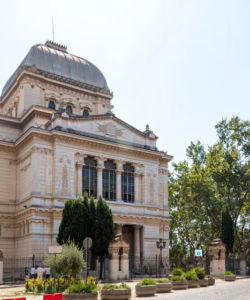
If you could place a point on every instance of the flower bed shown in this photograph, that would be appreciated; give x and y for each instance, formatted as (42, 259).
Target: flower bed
(146, 288)
(211, 280)
(115, 292)
(178, 280)
(163, 286)
(229, 276)
(203, 282)
(48, 286)
(192, 279)
(200, 272)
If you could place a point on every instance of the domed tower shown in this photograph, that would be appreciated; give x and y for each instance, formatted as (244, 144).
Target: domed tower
(50, 76)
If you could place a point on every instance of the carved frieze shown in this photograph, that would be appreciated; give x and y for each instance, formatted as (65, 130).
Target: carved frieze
(110, 129)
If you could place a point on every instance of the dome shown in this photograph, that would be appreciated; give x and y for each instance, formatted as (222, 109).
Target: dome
(52, 60)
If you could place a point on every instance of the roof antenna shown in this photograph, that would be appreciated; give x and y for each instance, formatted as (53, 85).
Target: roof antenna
(53, 29)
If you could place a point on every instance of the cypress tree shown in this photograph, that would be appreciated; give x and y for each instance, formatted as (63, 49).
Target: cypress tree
(84, 218)
(104, 231)
(73, 227)
(227, 231)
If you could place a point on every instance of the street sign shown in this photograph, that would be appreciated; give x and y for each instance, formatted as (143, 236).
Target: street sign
(87, 243)
(198, 252)
(55, 249)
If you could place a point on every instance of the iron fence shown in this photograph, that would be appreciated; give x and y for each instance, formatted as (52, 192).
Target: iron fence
(153, 266)
(14, 268)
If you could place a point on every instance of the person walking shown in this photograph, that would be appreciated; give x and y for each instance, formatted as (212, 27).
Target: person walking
(39, 272)
(47, 272)
(32, 272)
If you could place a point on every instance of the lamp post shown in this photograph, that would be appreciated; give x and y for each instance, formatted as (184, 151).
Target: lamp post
(161, 245)
(33, 260)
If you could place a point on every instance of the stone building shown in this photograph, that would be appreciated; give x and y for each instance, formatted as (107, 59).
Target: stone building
(59, 138)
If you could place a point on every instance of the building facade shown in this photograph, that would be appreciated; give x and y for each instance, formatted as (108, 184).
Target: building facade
(58, 139)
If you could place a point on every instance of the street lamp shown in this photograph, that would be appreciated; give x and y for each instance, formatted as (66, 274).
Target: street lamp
(161, 245)
(33, 260)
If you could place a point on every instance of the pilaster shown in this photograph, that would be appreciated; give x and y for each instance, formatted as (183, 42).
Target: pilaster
(119, 170)
(100, 167)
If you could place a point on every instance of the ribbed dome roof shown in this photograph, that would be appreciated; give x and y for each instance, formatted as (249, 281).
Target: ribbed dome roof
(52, 60)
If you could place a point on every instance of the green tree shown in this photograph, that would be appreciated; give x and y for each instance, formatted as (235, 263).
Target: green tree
(83, 218)
(70, 262)
(206, 184)
(227, 231)
(73, 226)
(104, 231)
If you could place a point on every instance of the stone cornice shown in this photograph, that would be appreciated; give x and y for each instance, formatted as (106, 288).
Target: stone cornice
(33, 111)
(69, 137)
(108, 116)
(58, 81)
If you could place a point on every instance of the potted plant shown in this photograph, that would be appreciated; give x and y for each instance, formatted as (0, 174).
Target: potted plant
(192, 279)
(115, 291)
(178, 280)
(229, 276)
(147, 287)
(200, 272)
(163, 286)
(82, 290)
(211, 280)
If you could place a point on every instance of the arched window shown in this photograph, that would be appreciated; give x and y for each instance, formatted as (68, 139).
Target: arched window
(89, 178)
(128, 183)
(69, 110)
(85, 112)
(109, 180)
(52, 104)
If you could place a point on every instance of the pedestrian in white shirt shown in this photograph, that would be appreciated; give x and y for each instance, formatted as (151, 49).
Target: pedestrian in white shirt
(33, 272)
(39, 272)
(47, 272)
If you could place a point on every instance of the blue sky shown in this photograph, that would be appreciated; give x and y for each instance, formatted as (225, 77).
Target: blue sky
(180, 66)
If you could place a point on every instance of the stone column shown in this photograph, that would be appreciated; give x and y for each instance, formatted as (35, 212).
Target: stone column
(1, 267)
(137, 187)
(125, 265)
(143, 186)
(79, 179)
(100, 167)
(142, 242)
(113, 265)
(137, 246)
(119, 181)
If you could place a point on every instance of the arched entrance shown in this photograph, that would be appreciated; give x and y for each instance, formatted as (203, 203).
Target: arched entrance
(133, 235)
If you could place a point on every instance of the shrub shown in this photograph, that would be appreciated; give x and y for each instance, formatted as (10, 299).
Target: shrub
(177, 278)
(163, 280)
(200, 272)
(82, 287)
(177, 272)
(109, 286)
(191, 275)
(69, 262)
(147, 281)
(228, 273)
(209, 277)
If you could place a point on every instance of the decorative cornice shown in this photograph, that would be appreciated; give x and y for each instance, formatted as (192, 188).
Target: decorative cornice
(57, 80)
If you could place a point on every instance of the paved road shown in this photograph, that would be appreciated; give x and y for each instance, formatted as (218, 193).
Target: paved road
(237, 290)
